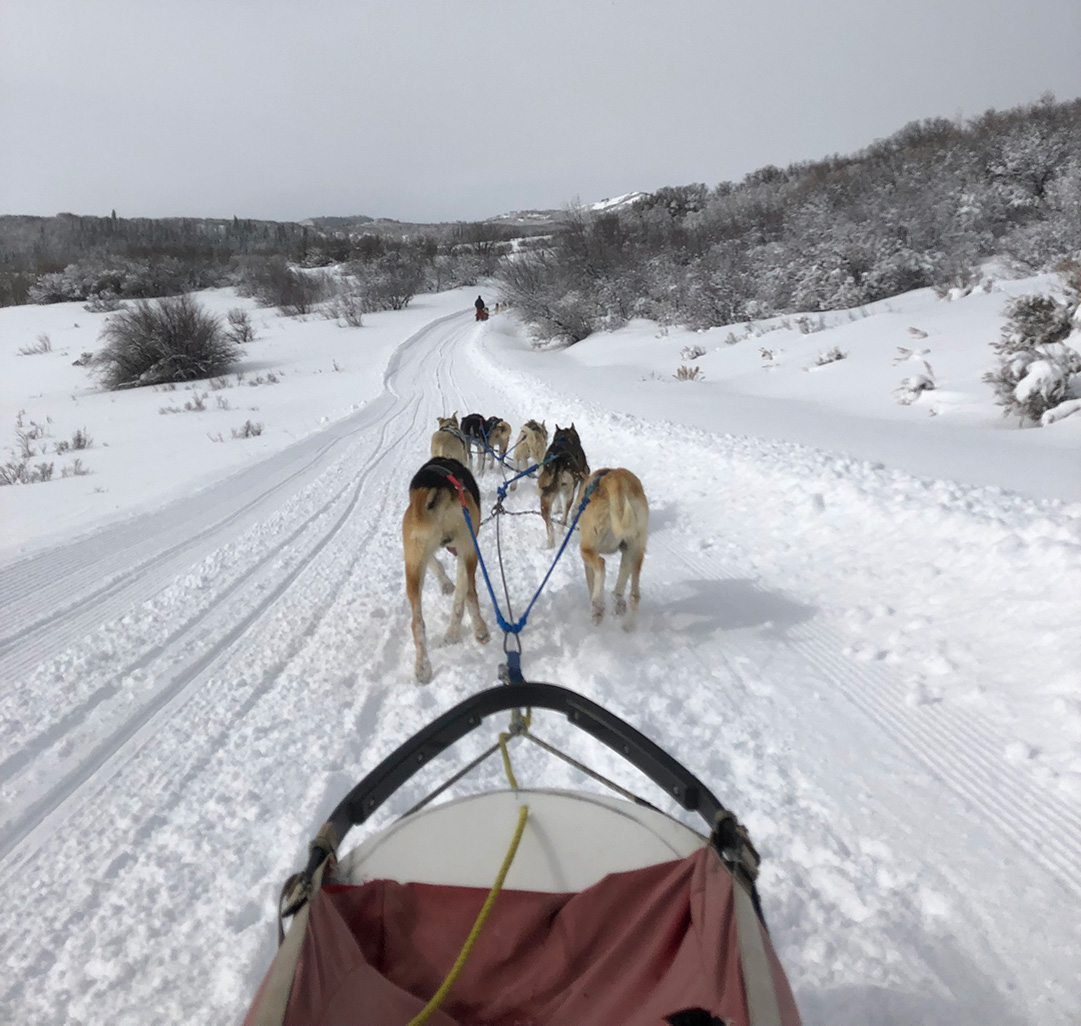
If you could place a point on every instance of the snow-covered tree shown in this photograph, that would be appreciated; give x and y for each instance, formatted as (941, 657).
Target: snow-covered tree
(1037, 371)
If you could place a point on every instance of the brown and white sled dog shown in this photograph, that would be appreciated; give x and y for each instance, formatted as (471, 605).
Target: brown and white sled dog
(448, 441)
(434, 520)
(528, 450)
(616, 519)
(563, 471)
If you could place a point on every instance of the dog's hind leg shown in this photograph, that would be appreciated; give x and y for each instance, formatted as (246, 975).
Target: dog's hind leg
(630, 566)
(594, 565)
(414, 582)
(457, 609)
(445, 583)
(546, 515)
(480, 628)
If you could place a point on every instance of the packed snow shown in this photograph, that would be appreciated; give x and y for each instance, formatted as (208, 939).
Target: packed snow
(858, 626)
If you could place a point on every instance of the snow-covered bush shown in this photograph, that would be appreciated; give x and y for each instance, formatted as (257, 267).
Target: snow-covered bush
(920, 380)
(249, 429)
(831, 355)
(104, 302)
(389, 282)
(1037, 371)
(274, 282)
(171, 339)
(105, 280)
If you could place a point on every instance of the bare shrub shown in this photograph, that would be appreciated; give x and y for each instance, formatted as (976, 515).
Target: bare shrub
(275, 283)
(689, 353)
(240, 327)
(79, 440)
(248, 429)
(43, 344)
(27, 433)
(169, 340)
(28, 445)
(686, 373)
(831, 355)
(75, 470)
(348, 306)
(85, 360)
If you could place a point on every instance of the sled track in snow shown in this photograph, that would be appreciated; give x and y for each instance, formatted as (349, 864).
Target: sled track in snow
(30, 825)
(79, 568)
(40, 815)
(960, 748)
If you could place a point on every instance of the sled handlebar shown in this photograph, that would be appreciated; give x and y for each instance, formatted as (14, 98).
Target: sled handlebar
(670, 775)
(727, 836)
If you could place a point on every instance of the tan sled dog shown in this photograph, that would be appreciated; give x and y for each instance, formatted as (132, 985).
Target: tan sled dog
(498, 440)
(616, 519)
(434, 520)
(528, 450)
(563, 472)
(448, 442)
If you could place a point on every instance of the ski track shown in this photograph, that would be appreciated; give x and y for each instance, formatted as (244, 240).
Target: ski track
(233, 664)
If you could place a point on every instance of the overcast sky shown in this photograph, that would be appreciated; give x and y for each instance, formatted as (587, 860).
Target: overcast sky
(464, 109)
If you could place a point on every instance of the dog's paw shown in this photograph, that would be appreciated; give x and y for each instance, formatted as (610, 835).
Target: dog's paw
(453, 636)
(482, 635)
(598, 614)
(423, 671)
(620, 605)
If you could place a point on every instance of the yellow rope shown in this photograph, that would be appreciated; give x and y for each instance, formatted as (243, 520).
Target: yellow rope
(507, 768)
(456, 970)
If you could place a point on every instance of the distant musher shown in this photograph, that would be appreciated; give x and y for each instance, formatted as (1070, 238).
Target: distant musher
(482, 310)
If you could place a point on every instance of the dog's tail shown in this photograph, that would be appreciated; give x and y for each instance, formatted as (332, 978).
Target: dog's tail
(631, 515)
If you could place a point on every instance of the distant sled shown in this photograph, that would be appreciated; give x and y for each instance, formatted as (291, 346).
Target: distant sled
(521, 905)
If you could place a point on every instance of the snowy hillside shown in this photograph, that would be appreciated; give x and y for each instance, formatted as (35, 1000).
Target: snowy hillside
(858, 625)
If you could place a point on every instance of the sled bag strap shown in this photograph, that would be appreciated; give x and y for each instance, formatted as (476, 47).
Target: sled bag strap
(762, 1007)
(273, 999)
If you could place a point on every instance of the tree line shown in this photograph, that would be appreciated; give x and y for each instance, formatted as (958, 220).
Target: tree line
(921, 208)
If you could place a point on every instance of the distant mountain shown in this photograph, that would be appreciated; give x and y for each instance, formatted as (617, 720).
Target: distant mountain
(337, 222)
(607, 206)
(530, 222)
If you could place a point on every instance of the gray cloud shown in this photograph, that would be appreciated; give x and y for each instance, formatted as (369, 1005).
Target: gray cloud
(448, 109)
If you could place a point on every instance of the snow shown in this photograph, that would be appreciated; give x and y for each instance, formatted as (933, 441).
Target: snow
(613, 203)
(858, 625)
(1042, 377)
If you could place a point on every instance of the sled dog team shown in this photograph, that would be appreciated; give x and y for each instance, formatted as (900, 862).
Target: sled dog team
(615, 518)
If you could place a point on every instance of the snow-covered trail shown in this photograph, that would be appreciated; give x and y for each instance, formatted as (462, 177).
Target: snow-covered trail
(186, 695)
